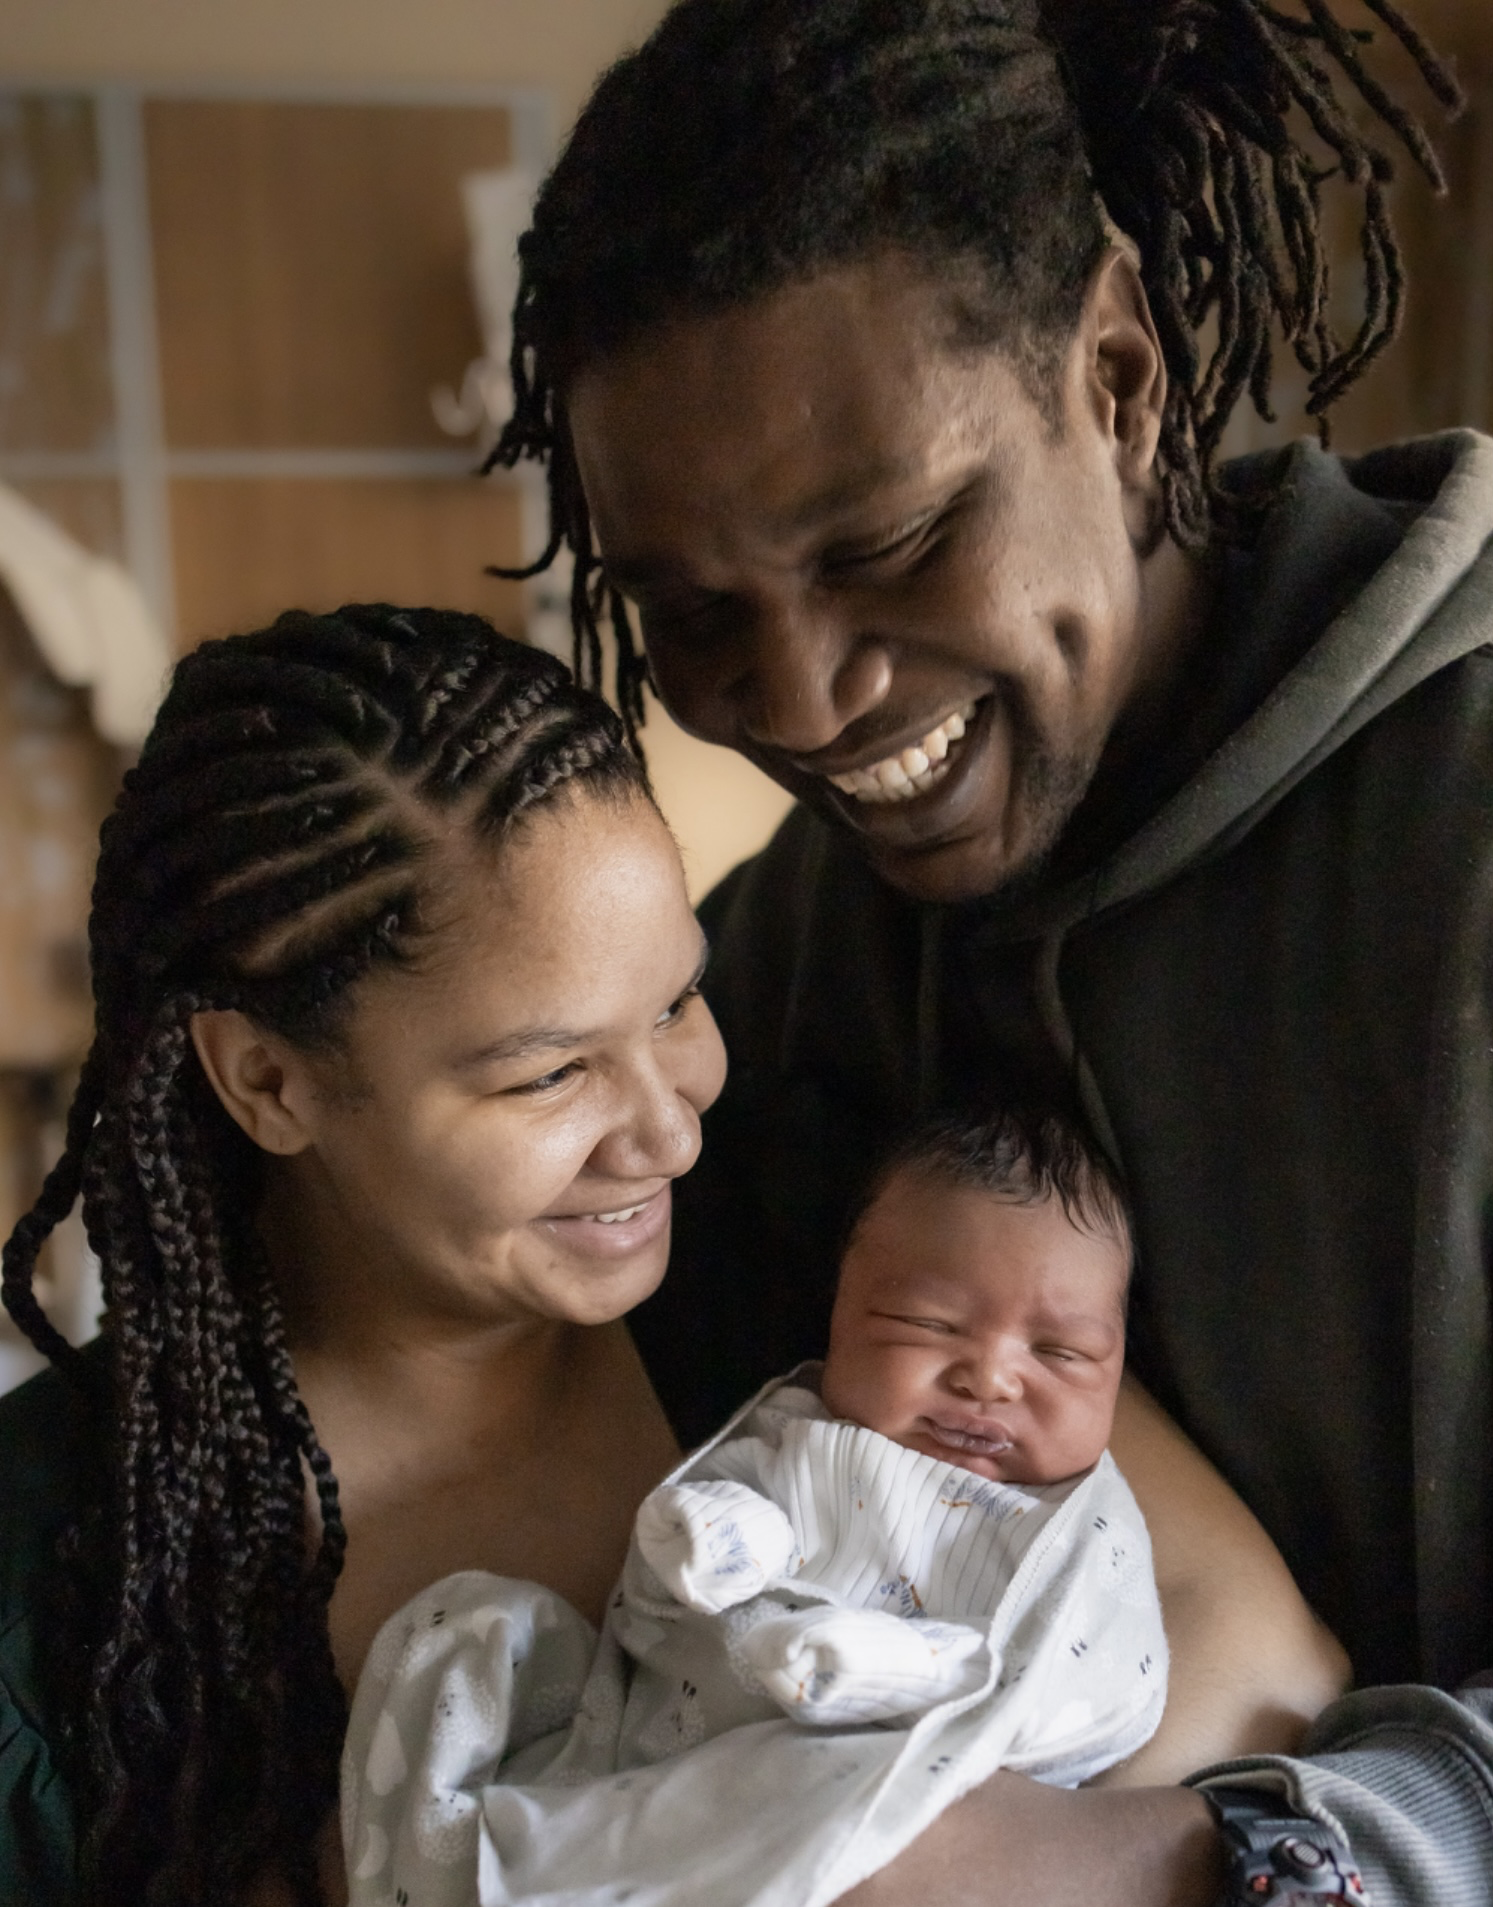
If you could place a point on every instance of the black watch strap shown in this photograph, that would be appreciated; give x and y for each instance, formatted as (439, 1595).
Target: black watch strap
(1273, 1858)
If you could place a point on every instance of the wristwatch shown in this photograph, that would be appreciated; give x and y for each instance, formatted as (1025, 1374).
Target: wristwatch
(1276, 1859)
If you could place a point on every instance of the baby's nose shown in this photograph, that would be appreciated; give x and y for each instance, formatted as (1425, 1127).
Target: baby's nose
(989, 1376)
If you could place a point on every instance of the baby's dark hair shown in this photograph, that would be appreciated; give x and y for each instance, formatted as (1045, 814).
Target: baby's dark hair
(1015, 1155)
(750, 143)
(276, 842)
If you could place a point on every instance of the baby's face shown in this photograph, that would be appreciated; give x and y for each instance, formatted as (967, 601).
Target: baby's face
(987, 1333)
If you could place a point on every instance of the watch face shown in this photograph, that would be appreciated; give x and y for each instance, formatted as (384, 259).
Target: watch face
(1276, 1860)
(1304, 1868)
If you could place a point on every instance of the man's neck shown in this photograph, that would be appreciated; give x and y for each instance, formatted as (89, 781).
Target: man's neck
(1178, 593)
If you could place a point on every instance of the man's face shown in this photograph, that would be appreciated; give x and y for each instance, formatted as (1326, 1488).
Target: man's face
(868, 560)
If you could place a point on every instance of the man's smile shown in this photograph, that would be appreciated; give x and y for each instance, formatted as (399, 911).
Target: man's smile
(912, 771)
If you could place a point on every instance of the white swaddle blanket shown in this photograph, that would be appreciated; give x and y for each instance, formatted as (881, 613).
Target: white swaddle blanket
(499, 1753)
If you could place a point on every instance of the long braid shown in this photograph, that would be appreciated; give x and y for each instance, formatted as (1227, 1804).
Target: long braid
(269, 849)
(58, 1195)
(752, 142)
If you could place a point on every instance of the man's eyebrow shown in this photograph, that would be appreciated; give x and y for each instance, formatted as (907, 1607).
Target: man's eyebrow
(634, 573)
(845, 493)
(528, 1040)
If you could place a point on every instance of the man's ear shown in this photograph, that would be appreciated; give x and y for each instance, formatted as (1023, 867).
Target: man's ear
(1129, 371)
(263, 1082)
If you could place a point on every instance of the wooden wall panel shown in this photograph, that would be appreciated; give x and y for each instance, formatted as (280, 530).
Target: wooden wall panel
(57, 781)
(1420, 383)
(55, 392)
(721, 807)
(247, 550)
(311, 267)
(88, 508)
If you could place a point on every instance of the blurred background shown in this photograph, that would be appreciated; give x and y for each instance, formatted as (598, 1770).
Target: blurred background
(255, 257)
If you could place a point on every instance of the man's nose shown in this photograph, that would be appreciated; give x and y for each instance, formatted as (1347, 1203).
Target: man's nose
(810, 676)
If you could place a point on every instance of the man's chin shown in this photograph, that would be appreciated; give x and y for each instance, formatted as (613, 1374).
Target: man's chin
(983, 853)
(973, 867)
(951, 871)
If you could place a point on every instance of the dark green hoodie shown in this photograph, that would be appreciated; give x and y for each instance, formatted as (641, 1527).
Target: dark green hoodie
(1265, 975)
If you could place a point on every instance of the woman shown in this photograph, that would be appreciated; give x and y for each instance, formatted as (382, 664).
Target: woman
(880, 352)
(399, 1050)
(390, 891)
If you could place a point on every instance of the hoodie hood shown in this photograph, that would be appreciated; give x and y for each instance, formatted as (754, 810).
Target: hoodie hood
(1426, 606)
(1427, 603)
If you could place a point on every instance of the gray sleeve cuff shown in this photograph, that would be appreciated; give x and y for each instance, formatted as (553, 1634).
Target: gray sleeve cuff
(1406, 1776)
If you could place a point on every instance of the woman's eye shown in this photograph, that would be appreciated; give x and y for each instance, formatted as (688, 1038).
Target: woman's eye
(672, 1014)
(547, 1081)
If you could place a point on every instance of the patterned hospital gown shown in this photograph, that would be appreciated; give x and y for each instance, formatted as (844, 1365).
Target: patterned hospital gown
(928, 1626)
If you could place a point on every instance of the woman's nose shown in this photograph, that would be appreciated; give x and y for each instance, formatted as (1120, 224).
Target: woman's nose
(809, 676)
(657, 1132)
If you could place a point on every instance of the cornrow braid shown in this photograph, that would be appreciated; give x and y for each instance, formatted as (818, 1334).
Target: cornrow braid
(270, 848)
(749, 143)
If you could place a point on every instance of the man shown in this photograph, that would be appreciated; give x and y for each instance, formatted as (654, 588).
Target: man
(1155, 789)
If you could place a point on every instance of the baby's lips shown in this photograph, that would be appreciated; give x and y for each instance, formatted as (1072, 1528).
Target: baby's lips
(991, 1440)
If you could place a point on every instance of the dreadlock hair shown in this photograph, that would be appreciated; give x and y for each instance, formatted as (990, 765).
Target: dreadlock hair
(751, 143)
(270, 848)
(1016, 1154)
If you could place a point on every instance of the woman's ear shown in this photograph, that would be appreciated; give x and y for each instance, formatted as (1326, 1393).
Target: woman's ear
(262, 1081)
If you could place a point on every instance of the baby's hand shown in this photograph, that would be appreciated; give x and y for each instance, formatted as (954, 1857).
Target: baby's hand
(714, 1545)
(840, 1668)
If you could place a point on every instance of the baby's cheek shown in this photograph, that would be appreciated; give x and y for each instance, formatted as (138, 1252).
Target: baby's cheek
(864, 1388)
(832, 1385)
(1091, 1415)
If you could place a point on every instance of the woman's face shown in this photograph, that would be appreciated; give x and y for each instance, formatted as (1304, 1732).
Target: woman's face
(867, 558)
(498, 1133)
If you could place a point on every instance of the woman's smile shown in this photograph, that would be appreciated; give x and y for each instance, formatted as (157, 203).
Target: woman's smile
(615, 1231)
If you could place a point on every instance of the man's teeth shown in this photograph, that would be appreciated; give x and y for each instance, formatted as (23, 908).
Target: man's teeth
(616, 1218)
(914, 771)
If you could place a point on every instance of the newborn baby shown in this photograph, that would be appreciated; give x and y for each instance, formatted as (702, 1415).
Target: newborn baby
(979, 1322)
(923, 1551)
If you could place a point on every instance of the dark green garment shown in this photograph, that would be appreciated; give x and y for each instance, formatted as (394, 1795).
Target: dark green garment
(1269, 985)
(1263, 970)
(48, 1482)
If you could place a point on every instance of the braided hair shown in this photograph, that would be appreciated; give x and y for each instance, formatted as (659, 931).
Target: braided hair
(750, 143)
(268, 850)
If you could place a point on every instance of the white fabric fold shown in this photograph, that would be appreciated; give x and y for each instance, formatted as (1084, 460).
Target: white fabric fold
(1030, 1616)
(87, 617)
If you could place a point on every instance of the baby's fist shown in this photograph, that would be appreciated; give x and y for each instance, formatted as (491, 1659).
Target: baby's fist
(714, 1545)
